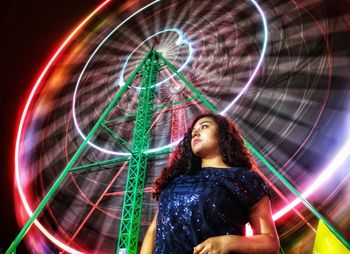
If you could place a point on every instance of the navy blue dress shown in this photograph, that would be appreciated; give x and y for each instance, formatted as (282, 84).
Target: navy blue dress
(213, 202)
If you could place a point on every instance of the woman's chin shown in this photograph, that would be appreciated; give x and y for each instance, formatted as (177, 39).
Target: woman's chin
(199, 153)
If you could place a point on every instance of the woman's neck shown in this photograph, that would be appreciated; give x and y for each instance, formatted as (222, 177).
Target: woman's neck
(215, 162)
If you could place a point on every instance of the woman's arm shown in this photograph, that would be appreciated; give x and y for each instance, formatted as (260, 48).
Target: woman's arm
(264, 240)
(149, 239)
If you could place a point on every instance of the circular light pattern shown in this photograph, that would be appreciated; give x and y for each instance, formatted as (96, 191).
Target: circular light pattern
(168, 52)
(181, 40)
(281, 103)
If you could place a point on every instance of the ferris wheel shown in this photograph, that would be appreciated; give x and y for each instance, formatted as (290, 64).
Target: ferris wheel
(105, 114)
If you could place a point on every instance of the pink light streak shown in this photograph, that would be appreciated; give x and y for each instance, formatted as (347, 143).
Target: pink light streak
(22, 121)
(321, 179)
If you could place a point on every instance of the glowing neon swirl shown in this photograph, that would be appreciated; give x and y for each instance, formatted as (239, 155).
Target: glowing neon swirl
(121, 80)
(321, 179)
(259, 62)
(178, 42)
(21, 123)
(81, 74)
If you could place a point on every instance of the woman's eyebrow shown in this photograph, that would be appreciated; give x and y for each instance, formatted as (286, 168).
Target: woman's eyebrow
(207, 121)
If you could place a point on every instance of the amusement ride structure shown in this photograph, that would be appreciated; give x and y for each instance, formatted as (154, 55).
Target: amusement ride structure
(111, 123)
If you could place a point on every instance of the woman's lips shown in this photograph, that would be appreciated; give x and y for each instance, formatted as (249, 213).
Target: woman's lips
(196, 141)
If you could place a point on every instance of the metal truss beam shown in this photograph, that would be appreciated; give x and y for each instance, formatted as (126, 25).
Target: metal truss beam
(132, 207)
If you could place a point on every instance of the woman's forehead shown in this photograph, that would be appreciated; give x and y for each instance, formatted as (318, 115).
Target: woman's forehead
(203, 120)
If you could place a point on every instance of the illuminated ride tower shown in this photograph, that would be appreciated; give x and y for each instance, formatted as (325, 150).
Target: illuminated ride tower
(148, 71)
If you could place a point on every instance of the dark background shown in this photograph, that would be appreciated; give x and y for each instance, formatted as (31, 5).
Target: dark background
(31, 31)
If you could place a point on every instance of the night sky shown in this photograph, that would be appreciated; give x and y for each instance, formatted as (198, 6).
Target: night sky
(30, 32)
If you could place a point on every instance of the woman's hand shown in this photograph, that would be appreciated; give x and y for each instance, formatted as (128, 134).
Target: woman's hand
(214, 245)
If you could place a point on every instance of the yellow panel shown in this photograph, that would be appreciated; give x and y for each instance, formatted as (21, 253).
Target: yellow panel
(327, 243)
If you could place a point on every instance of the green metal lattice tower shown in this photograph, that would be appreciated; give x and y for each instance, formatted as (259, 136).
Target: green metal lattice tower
(148, 69)
(132, 207)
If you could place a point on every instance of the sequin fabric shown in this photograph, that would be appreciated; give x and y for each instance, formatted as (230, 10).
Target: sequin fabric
(210, 203)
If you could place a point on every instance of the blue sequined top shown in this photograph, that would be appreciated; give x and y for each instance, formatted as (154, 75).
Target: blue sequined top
(213, 202)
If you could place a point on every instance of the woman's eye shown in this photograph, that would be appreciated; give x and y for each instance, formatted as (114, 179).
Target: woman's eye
(204, 126)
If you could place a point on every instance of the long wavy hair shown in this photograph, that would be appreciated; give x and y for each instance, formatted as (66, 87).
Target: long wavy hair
(185, 162)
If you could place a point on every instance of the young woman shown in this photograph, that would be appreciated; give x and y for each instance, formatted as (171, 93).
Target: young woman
(208, 194)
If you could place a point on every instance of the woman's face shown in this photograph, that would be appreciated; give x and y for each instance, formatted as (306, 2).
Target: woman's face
(204, 142)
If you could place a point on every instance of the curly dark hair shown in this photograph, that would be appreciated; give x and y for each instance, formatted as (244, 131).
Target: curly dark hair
(185, 162)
